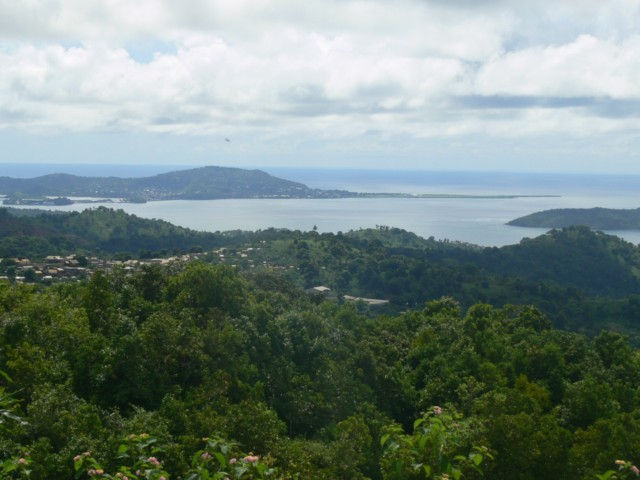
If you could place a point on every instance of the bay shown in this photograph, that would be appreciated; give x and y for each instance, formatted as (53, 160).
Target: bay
(478, 221)
(471, 220)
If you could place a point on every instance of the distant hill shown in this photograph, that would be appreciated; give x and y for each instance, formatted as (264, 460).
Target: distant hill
(594, 262)
(597, 218)
(194, 184)
(100, 230)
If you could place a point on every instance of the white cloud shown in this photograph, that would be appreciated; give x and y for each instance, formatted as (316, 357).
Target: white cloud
(334, 69)
(587, 66)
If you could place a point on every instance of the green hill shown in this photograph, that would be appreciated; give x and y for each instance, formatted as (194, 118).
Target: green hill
(100, 230)
(592, 261)
(598, 218)
(194, 184)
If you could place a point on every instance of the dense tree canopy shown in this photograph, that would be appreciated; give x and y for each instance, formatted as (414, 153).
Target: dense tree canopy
(314, 389)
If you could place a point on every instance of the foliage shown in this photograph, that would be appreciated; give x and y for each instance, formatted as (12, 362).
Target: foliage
(625, 470)
(437, 449)
(138, 460)
(310, 387)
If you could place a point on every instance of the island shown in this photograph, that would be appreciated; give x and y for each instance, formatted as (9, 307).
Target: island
(596, 218)
(204, 183)
(17, 199)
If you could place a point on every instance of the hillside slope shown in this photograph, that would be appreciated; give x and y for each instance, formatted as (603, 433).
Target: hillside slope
(99, 230)
(598, 218)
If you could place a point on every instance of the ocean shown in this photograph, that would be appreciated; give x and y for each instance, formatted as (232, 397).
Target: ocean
(471, 220)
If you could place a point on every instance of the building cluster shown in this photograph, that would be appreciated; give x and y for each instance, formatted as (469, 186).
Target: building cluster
(48, 269)
(72, 267)
(243, 258)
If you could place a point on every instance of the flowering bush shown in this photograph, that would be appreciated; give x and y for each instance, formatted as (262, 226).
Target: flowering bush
(218, 460)
(436, 450)
(138, 456)
(625, 470)
(16, 467)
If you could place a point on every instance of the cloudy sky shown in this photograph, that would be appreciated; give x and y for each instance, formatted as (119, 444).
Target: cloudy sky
(447, 84)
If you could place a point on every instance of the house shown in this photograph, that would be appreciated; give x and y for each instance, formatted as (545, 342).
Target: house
(372, 302)
(54, 259)
(320, 289)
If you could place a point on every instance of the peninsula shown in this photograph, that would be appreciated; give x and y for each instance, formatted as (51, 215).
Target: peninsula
(596, 218)
(204, 183)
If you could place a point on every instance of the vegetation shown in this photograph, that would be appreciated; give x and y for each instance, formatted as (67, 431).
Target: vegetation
(582, 280)
(195, 184)
(124, 376)
(98, 231)
(597, 218)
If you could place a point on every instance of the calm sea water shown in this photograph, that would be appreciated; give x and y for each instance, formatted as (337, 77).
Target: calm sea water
(479, 221)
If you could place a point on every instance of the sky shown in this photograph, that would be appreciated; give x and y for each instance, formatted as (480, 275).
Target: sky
(393, 84)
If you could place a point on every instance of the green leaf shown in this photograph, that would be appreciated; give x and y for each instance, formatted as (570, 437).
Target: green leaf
(221, 459)
(196, 458)
(422, 442)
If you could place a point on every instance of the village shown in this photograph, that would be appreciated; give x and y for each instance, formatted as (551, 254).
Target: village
(56, 268)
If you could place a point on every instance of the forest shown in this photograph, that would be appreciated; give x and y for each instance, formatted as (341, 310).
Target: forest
(518, 362)
(35, 233)
(210, 373)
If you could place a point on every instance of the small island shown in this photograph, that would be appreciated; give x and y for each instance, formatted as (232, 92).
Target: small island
(596, 218)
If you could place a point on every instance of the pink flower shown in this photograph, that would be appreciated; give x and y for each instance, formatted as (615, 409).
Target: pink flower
(162, 478)
(153, 461)
(91, 472)
(635, 470)
(437, 410)
(22, 461)
(233, 461)
(251, 458)
(77, 458)
(99, 471)
(205, 456)
(87, 454)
